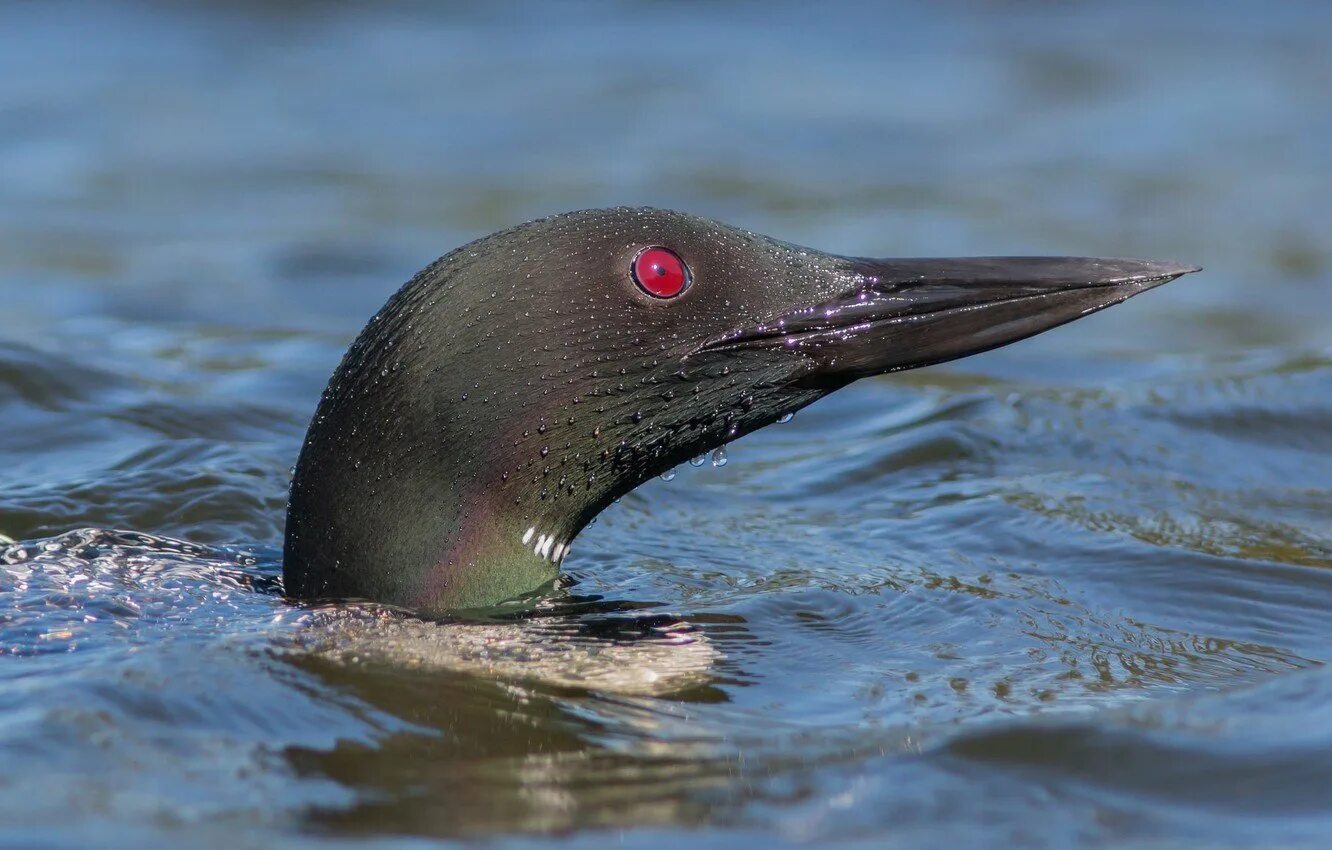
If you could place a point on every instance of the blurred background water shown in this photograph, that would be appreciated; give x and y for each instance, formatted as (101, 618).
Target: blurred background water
(1076, 591)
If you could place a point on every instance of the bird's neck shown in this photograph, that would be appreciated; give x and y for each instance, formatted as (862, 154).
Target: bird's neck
(379, 510)
(413, 488)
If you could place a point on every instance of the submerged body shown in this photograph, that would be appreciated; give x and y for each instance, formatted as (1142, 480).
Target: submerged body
(513, 389)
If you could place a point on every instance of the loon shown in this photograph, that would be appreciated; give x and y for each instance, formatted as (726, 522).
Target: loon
(514, 388)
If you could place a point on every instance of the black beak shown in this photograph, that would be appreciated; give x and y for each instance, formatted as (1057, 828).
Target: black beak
(902, 314)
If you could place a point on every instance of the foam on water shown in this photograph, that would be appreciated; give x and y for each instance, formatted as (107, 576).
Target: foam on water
(105, 591)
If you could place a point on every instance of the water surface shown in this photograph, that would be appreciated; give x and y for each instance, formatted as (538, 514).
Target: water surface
(1076, 591)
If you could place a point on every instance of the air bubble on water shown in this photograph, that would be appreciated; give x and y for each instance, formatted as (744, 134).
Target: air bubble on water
(784, 418)
(698, 461)
(668, 475)
(719, 458)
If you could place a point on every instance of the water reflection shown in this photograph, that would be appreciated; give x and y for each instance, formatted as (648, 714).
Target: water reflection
(505, 756)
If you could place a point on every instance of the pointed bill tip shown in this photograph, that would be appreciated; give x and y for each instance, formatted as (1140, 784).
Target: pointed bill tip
(1158, 269)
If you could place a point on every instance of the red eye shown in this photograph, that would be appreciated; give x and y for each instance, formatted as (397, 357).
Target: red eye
(660, 273)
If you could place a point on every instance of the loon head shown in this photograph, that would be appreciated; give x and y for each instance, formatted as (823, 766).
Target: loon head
(514, 388)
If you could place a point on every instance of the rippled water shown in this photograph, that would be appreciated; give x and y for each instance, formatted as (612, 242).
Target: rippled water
(1076, 591)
